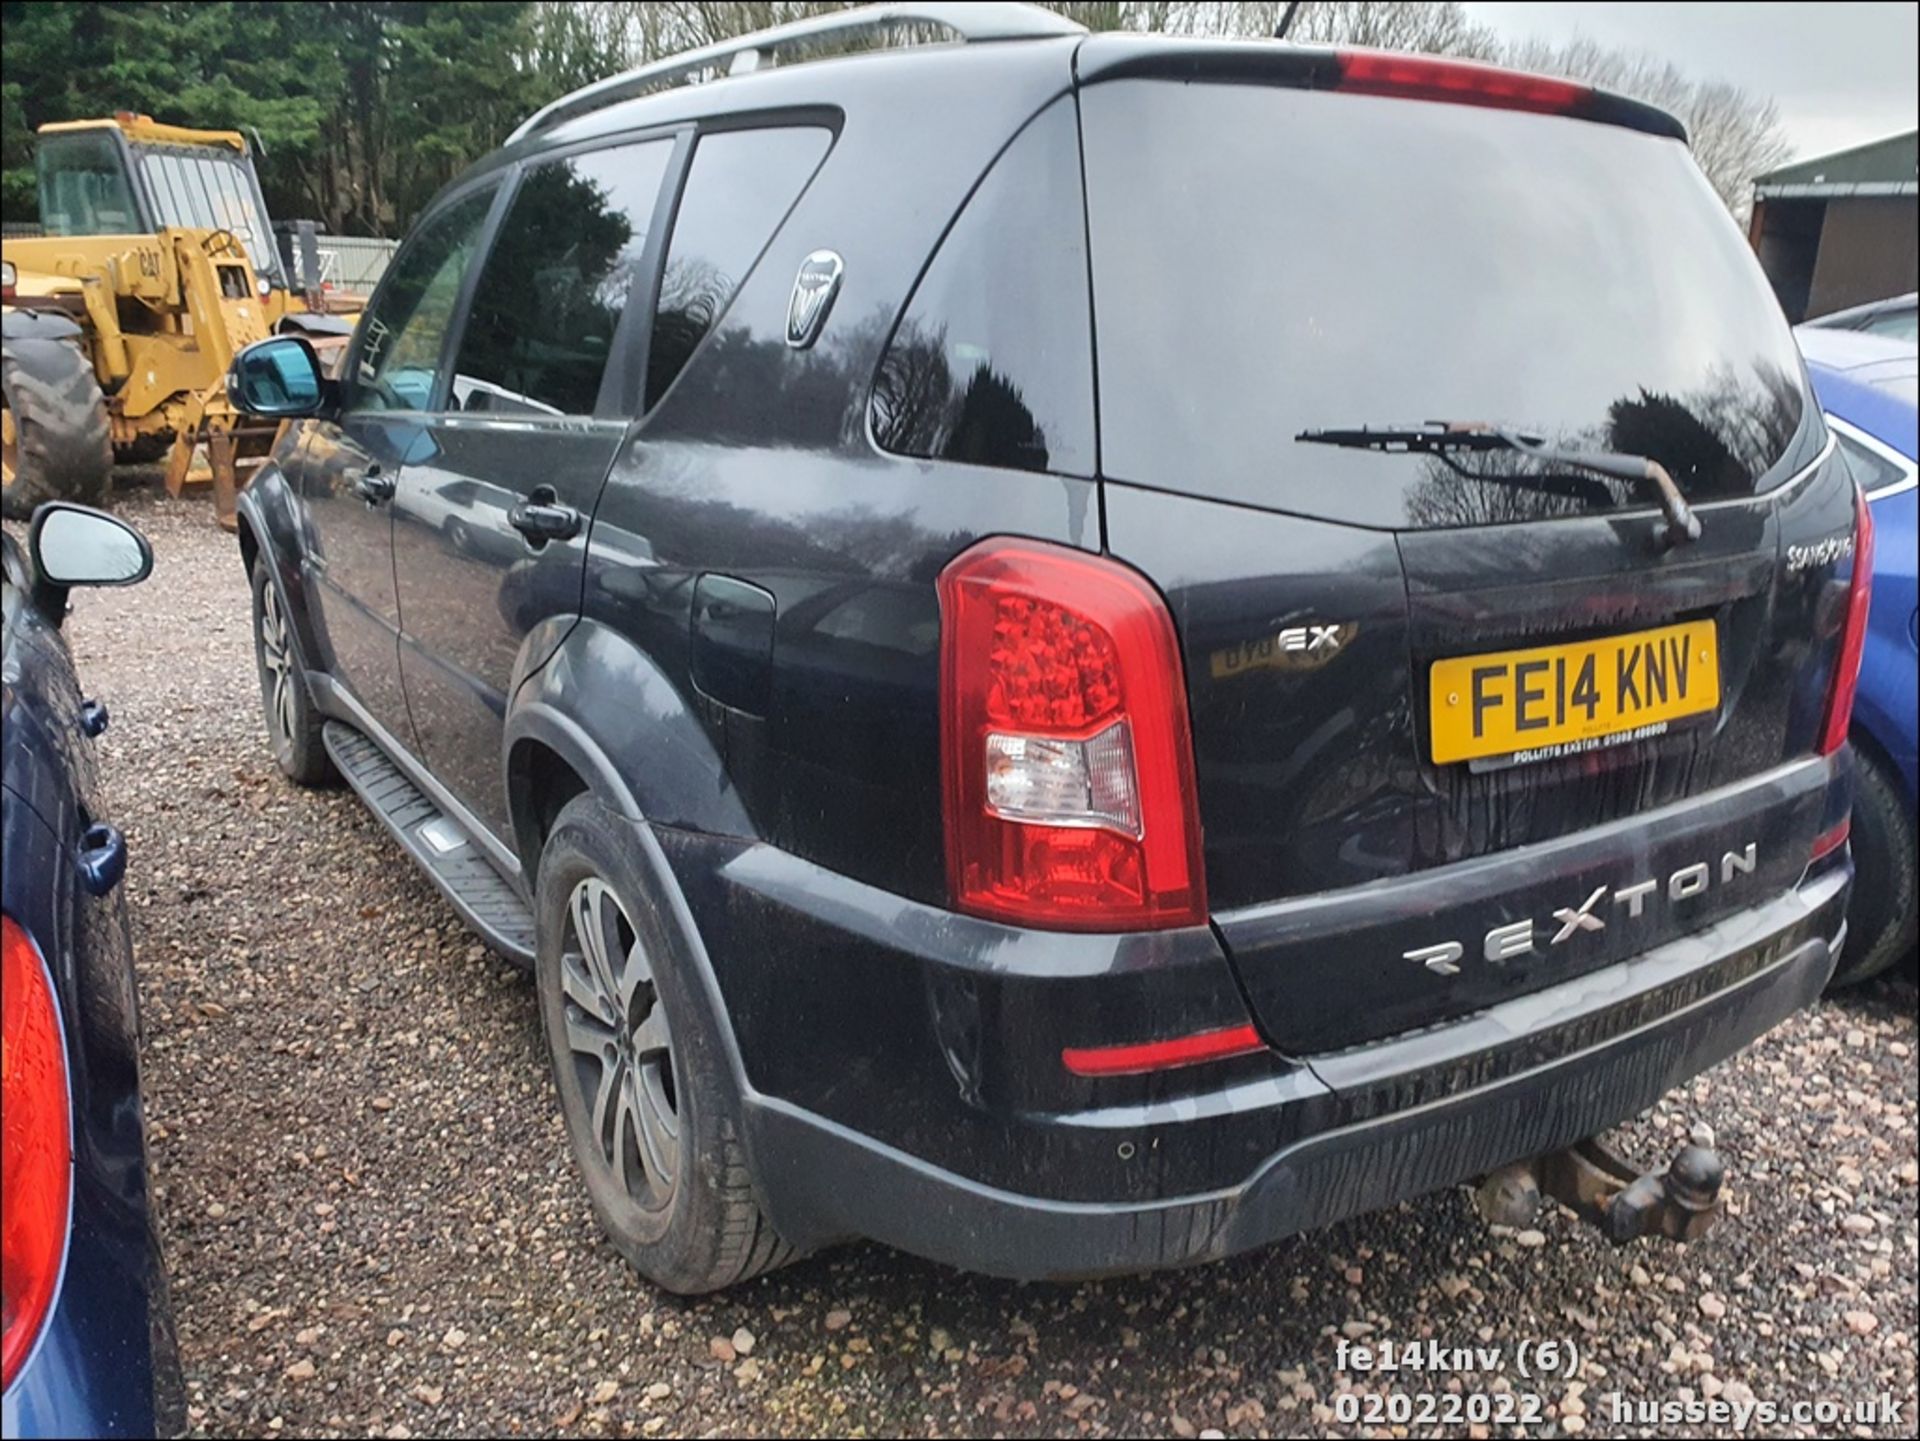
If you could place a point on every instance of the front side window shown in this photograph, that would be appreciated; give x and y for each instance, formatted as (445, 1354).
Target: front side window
(557, 281)
(83, 186)
(740, 187)
(403, 334)
(992, 362)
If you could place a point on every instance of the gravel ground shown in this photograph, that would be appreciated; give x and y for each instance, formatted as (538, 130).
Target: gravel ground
(373, 1226)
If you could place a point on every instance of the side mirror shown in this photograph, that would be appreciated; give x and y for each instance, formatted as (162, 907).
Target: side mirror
(77, 545)
(277, 377)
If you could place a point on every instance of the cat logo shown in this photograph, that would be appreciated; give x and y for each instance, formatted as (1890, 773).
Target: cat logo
(813, 291)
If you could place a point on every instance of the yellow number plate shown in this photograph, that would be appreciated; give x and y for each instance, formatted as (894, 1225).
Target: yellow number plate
(1558, 699)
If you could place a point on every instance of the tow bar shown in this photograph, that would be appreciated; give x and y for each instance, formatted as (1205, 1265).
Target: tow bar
(1679, 1200)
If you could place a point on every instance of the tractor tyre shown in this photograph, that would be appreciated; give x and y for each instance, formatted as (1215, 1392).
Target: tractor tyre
(58, 446)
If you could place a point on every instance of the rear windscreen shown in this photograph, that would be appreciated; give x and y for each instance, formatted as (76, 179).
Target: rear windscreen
(1270, 261)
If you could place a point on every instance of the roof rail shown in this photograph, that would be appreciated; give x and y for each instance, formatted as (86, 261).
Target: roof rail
(971, 20)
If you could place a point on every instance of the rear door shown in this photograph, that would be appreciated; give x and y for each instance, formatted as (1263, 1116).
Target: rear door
(491, 516)
(583, 318)
(1435, 696)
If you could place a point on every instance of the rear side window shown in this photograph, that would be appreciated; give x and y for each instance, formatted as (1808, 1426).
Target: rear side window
(739, 189)
(992, 361)
(1268, 261)
(1895, 324)
(557, 281)
(1877, 467)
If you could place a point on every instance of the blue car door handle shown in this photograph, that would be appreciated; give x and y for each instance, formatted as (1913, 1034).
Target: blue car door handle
(101, 858)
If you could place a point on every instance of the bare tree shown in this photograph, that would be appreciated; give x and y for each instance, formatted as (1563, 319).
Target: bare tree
(1162, 15)
(1396, 25)
(1736, 136)
(1390, 24)
(688, 23)
(659, 27)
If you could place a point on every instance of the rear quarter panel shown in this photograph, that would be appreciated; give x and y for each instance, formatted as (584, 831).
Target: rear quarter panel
(758, 465)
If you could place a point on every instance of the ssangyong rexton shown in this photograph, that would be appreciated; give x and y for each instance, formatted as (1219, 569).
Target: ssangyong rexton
(1079, 652)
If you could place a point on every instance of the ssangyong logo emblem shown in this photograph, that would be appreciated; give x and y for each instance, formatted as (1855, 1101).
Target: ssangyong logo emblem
(813, 291)
(1603, 904)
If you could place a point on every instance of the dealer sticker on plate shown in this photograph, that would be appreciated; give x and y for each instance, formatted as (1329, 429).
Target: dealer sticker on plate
(1513, 706)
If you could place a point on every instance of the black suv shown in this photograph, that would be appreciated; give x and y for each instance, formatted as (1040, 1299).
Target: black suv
(924, 592)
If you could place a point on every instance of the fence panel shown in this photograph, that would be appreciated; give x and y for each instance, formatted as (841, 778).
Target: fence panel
(352, 262)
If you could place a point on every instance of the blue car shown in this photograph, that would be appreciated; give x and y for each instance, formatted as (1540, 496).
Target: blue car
(88, 1347)
(1866, 384)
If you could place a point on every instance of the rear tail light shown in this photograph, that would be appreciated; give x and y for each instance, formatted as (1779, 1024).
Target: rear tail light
(1853, 637)
(1461, 82)
(1163, 1055)
(1067, 757)
(36, 1156)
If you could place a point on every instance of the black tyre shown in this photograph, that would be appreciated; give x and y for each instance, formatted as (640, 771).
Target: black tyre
(639, 1066)
(1881, 921)
(293, 725)
(56, 441)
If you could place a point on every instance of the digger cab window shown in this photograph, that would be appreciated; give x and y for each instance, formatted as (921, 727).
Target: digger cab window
(84, 189)
(206, 188)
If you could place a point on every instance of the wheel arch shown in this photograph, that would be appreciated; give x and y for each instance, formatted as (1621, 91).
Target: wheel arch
(549, 762)
(571, 726)
(269, 528)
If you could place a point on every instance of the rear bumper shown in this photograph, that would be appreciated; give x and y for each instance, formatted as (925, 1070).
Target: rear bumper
(1379, 1123)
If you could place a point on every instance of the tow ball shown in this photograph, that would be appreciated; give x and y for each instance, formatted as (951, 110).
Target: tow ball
(1679, 1200)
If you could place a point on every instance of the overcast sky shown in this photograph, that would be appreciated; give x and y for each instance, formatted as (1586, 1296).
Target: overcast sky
(1841, 73)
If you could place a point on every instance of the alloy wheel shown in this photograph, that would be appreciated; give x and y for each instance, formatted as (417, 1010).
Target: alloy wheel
(619, 1043)
(276, 658)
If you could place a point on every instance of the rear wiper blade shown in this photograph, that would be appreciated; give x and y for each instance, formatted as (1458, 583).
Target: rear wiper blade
(1441, 437)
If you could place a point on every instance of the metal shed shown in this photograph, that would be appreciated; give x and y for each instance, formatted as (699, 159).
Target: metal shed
(1840, 229)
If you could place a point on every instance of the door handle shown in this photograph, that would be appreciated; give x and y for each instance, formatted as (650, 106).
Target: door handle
(101, 858)
(541, 522)
(373, 487)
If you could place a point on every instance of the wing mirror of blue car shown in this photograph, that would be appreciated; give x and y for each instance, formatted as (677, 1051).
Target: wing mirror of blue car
(78, 545)
(279, 377)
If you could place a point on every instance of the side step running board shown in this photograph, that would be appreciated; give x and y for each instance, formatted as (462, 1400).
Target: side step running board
(465, 877)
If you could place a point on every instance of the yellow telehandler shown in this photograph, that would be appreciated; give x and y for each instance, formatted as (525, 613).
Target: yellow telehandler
(157, 264)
